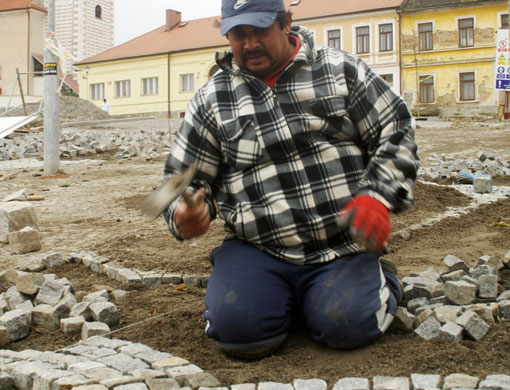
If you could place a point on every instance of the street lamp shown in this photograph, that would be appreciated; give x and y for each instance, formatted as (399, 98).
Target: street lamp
(87, 77)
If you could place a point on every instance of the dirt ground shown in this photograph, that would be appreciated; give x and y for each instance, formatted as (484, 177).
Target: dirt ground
(94, 206)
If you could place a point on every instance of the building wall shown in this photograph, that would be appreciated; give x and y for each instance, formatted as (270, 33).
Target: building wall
(382, 62)
(447, 60)
(21, 36)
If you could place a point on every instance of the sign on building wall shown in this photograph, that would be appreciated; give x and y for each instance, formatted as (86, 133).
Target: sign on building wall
(502, 68)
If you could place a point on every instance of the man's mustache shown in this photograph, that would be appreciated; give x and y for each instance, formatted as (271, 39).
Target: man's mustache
(254, 53)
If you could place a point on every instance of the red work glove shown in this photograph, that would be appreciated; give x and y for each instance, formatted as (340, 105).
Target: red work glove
(368, 221)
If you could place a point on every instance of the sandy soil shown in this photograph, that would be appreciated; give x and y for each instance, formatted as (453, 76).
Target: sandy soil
(94, 206)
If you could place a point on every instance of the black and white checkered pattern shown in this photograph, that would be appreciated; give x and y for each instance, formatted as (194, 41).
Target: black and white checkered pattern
(280, 163)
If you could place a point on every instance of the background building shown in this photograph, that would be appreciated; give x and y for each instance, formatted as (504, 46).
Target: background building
(84, 27)
(21, 39)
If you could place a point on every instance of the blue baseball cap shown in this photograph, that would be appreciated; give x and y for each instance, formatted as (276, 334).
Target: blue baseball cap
(258, 13)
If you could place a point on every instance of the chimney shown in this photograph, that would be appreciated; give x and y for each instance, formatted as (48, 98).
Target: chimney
(173, 18)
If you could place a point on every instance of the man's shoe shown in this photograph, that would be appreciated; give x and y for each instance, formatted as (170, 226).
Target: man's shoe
(252, 351)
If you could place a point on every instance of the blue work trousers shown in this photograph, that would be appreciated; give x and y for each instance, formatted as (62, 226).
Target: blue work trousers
(252, 296)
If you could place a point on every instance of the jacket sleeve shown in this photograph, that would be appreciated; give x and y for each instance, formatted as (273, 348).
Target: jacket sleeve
(196, 145)
(387, 130)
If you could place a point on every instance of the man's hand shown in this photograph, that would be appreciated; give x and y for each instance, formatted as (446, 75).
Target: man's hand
(193, 221)
(368, 221)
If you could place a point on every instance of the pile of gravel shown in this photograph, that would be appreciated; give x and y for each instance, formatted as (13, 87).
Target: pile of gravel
(72, 109)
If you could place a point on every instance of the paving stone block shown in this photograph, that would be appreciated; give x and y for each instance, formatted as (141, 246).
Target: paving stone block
(310, 384)
(29, 283)
(132, 386)
(200, 379)
(169, 362)
(425, 381)
(163, 384)
(495, 382)
(460, 381)
(152, 356)
(4, 337)
(50, 293)
(447, 313)
(98, 352)
(487, 311)
(244, 386)
(428, 329)
(99, 373)
(24, 372)
(488, 286)
(6, 381)
(24, 241)
(459, 292)
(119, 295)
(96, 296)
(450, 331)
(491, 261)
(473, 325)
(177, 371)
(146, 373)
(106, 312)
(503, 296)
(82, 309)
(14, 297)
(504, 308)
(16, 323)
(122, 362)
(416, 303)
(170, 278)
(54, 260)
(71, 382)
(453, 275)
(134, 349)
(44, 380)
(390, 383)
(94, 328)
(483, 270)
(482, 184)
(275, 386)
(454, 263)
(90, 387)
(403, 321)
(15, 216)
(99, 341)
(126, 275)
(44, 316)
(72, 325)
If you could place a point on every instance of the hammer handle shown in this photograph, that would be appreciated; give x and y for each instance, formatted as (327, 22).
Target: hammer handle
(187, 196)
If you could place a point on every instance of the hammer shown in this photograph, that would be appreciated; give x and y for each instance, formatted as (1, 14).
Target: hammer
(170, 190)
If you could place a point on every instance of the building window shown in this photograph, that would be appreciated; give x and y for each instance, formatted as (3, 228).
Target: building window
(386, 37)
(426, 89)
(425, 36)
(123, 88)
(187, 82)
(504, 21)
(334, 39)
(98, 11)
(150, 86)
(97, 91)
(362, 40)
(388, 78)
(467, 86)
(466, 32)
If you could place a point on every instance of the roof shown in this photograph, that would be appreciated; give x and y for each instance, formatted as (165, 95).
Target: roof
(194, 34)
(14, 5)
(205, 33)
(309, 9)
(415, 5)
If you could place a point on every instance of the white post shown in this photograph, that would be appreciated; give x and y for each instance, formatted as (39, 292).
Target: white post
(51, 103)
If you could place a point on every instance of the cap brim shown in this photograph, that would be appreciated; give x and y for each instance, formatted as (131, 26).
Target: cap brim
(256, 19)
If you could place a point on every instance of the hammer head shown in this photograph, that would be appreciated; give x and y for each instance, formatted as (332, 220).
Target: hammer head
(167, 192)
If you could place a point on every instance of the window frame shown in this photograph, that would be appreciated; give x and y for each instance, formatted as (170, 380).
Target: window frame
(362, 40)
(388, 37)
(423, 80)
(339, 39)
(462, 86)
(426, 36)
(150, 86)
(466, 31)
(98, 11)
(93, 89)
(502, 17)
(124, 92)
(191, 77)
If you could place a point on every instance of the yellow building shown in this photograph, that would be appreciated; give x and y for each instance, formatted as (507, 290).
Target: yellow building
(368, 29)
(160, 71)
(157, 72)
(448, 55)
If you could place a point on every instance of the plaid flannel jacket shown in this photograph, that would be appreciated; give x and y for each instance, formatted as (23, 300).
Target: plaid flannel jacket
(278, 164)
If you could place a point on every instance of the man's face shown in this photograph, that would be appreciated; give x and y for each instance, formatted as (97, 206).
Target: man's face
(262, 51)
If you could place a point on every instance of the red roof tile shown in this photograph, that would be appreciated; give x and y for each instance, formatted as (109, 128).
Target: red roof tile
(13, 5)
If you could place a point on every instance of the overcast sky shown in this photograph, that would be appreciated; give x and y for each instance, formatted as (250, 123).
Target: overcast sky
(137, 17)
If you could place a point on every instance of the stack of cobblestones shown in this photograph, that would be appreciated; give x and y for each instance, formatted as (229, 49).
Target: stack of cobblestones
(33, 299)
(126, 144)
(445, 166)
(461, 303)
